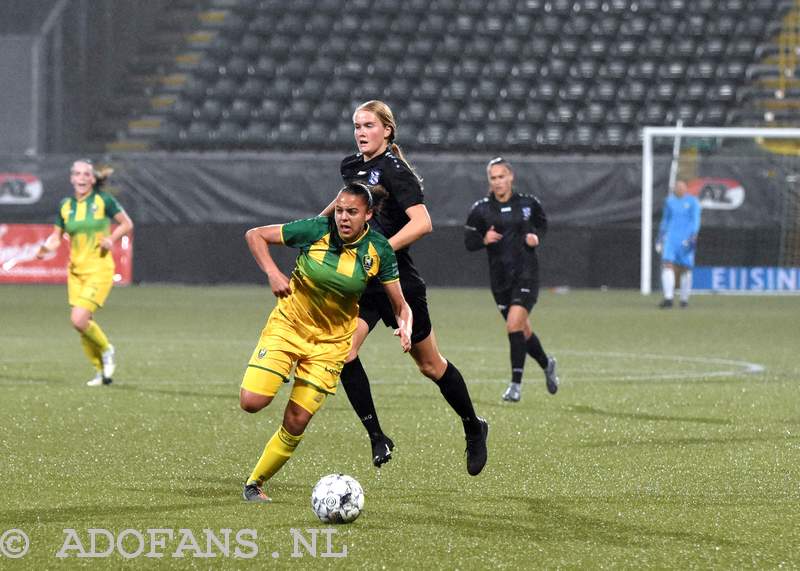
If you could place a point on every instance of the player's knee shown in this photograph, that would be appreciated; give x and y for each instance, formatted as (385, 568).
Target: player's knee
(79, 322)
(251, 402)
(295, 420)
(431, 369)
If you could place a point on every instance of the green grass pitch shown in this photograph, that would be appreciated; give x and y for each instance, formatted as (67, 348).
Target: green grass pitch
(674, 441)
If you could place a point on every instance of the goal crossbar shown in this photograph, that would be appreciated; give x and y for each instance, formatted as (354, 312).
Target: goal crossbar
(648, 135)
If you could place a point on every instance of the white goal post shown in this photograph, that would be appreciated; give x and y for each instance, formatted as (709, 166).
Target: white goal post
(648, 135)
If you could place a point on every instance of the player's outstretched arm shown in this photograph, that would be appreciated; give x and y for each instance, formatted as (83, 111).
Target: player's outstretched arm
(51, 243)
(402, 314)
(258, 240)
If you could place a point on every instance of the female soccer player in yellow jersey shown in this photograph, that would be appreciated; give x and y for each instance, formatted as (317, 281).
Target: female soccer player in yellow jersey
(313, 323)
(86, 218)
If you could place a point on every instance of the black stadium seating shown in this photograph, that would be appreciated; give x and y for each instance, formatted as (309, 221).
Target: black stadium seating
(522, 75)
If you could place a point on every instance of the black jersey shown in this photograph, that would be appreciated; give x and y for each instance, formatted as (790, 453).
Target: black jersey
(404, 190)
(511, 260)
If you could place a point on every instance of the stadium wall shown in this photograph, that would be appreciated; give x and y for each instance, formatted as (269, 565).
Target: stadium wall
(191, 212)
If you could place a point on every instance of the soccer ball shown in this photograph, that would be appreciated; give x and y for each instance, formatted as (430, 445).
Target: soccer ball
(337, 498)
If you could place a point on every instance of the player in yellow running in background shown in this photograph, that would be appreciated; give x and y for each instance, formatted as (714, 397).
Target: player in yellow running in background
(313, 323)
(86, 218)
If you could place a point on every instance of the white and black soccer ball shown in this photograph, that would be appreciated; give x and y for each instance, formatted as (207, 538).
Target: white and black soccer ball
(337, 498)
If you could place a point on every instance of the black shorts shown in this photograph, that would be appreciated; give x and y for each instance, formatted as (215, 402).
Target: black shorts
(524, 294)
(375, 305)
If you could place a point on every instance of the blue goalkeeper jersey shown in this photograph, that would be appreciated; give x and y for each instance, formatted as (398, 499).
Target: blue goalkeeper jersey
(680, 224)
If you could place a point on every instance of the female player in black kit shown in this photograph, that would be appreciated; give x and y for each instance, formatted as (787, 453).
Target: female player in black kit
(402, 217)
(510, 227)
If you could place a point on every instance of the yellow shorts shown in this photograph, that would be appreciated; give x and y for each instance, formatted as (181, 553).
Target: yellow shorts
(280, 348)
(89, 291)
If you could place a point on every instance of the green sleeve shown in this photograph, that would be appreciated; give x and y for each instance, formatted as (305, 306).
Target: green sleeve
(304, 232)
(112, 205)
(388, 271)
(59, 220)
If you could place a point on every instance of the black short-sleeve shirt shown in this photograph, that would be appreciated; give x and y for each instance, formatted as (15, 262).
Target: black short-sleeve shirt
(404, 190)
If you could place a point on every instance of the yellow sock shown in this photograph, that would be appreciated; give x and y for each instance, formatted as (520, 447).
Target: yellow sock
(96, 335)
(276, 453)
(93, 352)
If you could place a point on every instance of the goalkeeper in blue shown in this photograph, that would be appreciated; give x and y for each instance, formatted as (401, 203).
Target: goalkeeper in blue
(677, 242)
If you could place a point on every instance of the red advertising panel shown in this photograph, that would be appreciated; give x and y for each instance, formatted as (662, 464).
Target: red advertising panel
(18, 264)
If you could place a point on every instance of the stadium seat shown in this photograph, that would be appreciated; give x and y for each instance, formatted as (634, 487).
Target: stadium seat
(236, 68)
(252, 89)
(633, 91)
(713, 48)
(521, 138)
(491, 137)
(603, 91)
(694, 91)
(268, 112)
(462, 136)
(573, 90)
(582, 137)
(653, 113)
(432, 136)
(182, 112)
(562, 114)
(468, 68)
(446, 112)
(299, 111)
(516, 90)
(552, 136)
(316, 134)
(228, 134)
(224, 90)
(636, 27)
(733, 70)
(615, 69)
(458, 90)
(534, 112)
(622, 113)
(685, 112)
(497, 69)
(537, 48)
(644, 69)
(594, 113)
(545, 90)
(504, 112)
(415, 112)
(486, 90)
(664, 91)
(474, 112)
(240, 111)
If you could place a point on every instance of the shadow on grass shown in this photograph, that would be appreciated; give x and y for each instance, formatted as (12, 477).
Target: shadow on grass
(549, 522)
(584, 409)
(88, 513)
(233, 395)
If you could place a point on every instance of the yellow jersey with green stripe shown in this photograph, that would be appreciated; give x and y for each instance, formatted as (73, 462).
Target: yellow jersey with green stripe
(330, 277)
(87, 221)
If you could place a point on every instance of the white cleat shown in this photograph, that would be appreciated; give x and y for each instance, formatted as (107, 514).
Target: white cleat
(513, 393)
(98, 380)
(109, 363)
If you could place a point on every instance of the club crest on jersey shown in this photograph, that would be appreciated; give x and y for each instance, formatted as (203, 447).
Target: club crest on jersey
(262, 353)
(374, 176)
(526, 212)
(367, 262)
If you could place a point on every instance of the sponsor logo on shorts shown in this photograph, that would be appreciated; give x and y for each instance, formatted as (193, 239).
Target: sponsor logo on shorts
(262, 353)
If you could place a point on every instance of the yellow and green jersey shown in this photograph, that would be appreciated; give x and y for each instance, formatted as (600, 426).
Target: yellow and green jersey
(328, 281)
(87, 221)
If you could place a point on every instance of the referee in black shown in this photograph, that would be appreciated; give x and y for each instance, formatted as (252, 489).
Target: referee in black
(510, 226)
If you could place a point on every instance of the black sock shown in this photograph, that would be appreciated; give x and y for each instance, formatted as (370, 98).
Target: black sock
(516, 341)
(454, 390)
(535, 350)
(356, 386)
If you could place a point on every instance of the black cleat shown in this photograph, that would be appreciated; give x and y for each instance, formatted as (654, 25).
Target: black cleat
(476, 449)
(684, 304)
(550, 376)
(665, 304)
(382, 447)
(254, 493)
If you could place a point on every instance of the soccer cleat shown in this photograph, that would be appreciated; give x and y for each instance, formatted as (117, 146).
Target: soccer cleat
(109, 364)
(476, 448)
(382, 447)
(550, 376)
(254, 493)
(513, 393)
(665, 304)
(684, 304)
(99, 380)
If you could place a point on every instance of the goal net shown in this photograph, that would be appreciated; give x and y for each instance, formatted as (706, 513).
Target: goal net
(748, 183)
